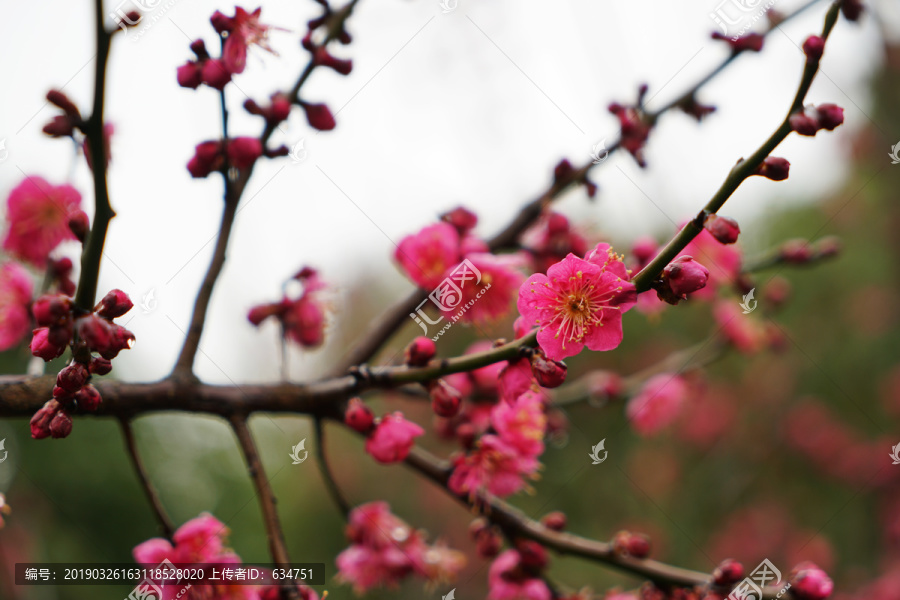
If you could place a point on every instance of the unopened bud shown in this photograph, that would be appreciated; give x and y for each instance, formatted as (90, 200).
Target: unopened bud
(358, 416)
(724, 229)
(420, 351)
(114, 304)
(445, 399)
(549, 373)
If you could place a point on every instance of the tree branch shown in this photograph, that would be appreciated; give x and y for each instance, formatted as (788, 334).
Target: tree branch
(267, 501)
(330, 484)
(165, 522)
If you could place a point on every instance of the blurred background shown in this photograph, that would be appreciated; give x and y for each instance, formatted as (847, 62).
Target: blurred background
(779, 455)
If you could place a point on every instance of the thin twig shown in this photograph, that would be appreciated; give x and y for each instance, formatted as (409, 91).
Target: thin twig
(267, 501)
(165, 522)
(330, 484)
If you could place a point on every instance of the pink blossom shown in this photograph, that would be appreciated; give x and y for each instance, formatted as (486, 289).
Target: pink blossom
(15, 297)
(744, 332)
(302, 319)
(489, 299)
(201, 539)
(579, 302)
(657, 404)
(244, 30)
(494, 466)
(38, 215)
(393, 438)
(366, 568)
(515, 379)
(509, 581)
(485, 378)
(426, 256)
(521, 423)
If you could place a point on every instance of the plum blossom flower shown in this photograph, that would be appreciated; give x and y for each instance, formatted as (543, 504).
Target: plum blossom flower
(38, 215)
(490, 298)
(522, 423)
(244, 30)
(509, 580)
(657, 404)
(302, 319)
(15, 298)
(392, 438)
(426, 256)
(384, 549)
(493, 466)
(578, 303)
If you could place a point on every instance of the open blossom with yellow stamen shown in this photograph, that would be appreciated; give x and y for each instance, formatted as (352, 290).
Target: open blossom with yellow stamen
(578, 303)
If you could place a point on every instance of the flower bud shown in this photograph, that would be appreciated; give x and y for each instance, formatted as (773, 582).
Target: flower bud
(215, 74)
(488, 544)
(88, 398)
(774, 168)
(80, 225)
(554, 520)
(260, 313)
(100, 366)
(43, 347)
(207, 158)
(72, 377)
(728, 572)
(59, 126)
(724, 229)
(813, 48)
(40, 422)
(358, 416)
(604, 385)
(319, 116)
(828, 246)
(60, 100)
(51, 309)
(462, 219)
(420, 351)
(114, 304)
(639, 545)
(61, 424)
(796, 252)
(803, 124)
(685, 275)
(221, 23)
(243, 151)
(829, 116)
(752, 42)
(809, 582)
(198, 47)
(445, 399)
(190, 75)
(549, 373)
(121, 339)
(96, 332)
(532, 555)
(852, 9)
(321, 57)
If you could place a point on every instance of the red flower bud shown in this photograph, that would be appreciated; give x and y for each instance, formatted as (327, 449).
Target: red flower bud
(532, 555)
(554, 520)
(803, 124)
(852, 9)
(829, 116)
(639, 545)
(724, 229)
(358, 416)
(462, 219)
(445, 399)
(488, 544)
(280, 109)
(321, 57)
(420, 351)
(96, 332)
(198, 47)
(319, 116)
(72, 377)
(774, 168)
(796, 252)
(813, 47)
(60, 100)
(122, 339)
(752, 42)
(728, 572)
(221, 23)
(260, 313)
(809, 582)
(685, 275)
(43, 347)
(88, 398)
(215, 74)
(207, 158)
(549, 373)
(243, 151)
(114, 304)
(79, 224)
(51, 309)
(828, 246)
(100, 366)
(61, 424)
(190, 75)
(40, 422)
(59, 126)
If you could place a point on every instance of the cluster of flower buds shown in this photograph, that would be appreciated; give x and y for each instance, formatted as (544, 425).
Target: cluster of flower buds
(627, 543)
(551, 240)
(724, 229)
(213, 156)
(635, 126)
(486, 537)
(59, 271)
(774, 168)
(564, 174)
(58, 327)
(681, 277)
(752, 42)
(63, 125)
(813, 119)
(303, 319)
(278, 110)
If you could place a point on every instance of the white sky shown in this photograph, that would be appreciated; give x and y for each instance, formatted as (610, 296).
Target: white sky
(474, 106)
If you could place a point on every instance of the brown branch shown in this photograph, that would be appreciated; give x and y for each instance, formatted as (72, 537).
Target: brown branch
(92, 251)
(741, 171)
(394, 317)
(330, 484)
(267, 501)
(152, 496)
